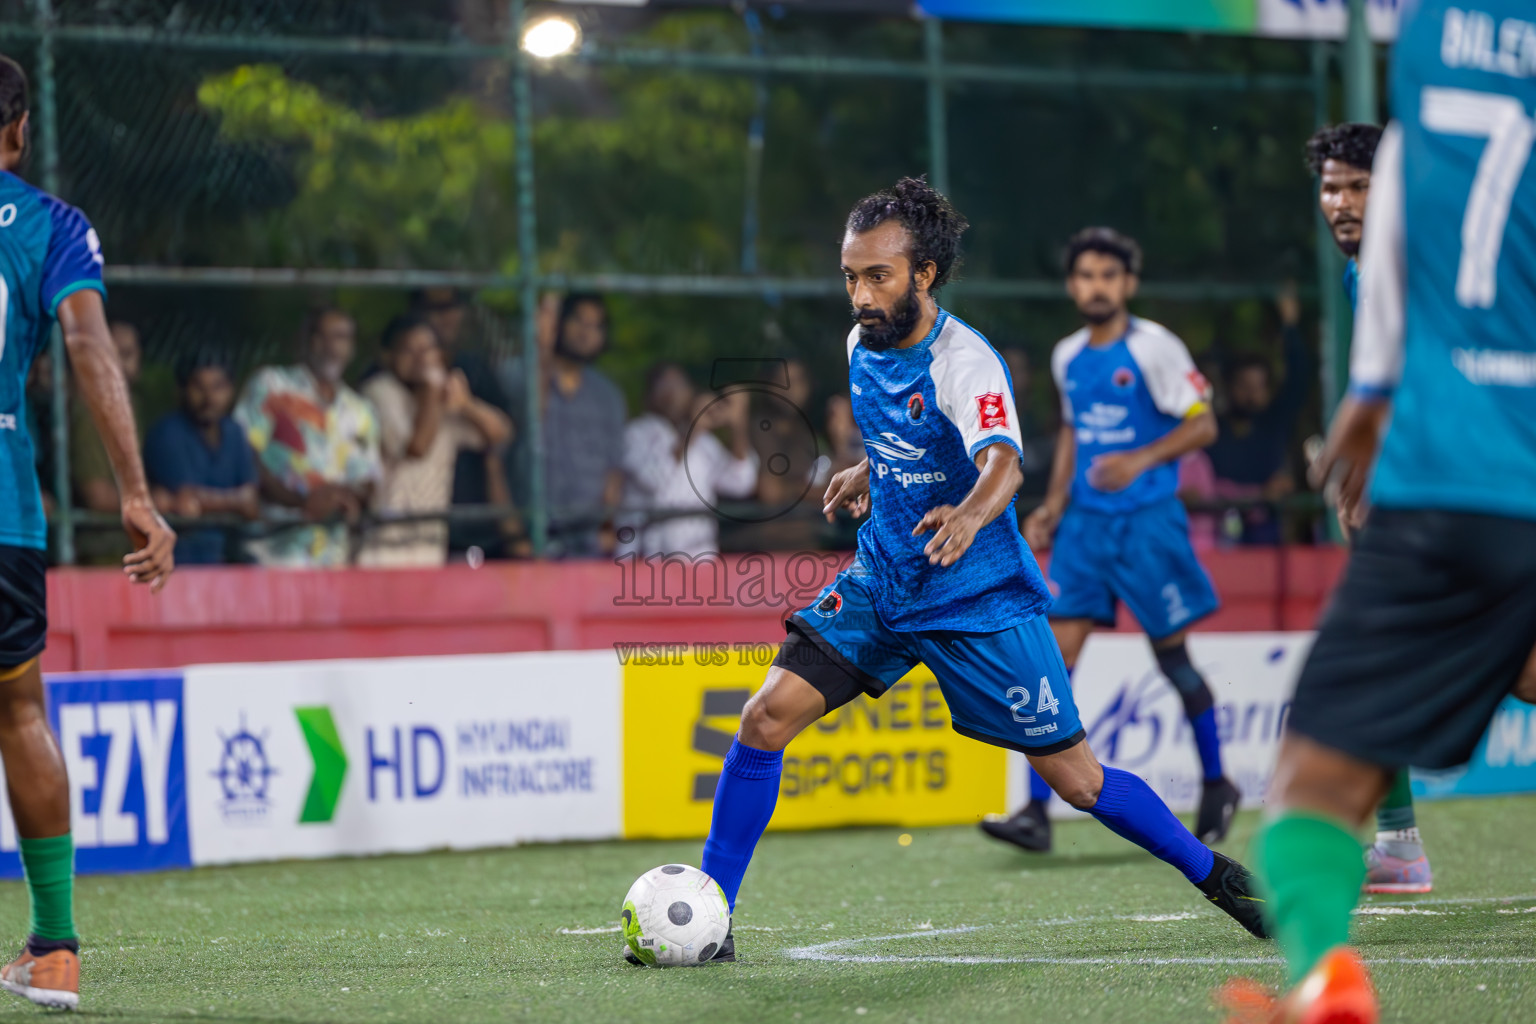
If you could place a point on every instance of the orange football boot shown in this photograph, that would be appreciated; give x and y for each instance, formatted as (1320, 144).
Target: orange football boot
(1337, 991)
(52, 979)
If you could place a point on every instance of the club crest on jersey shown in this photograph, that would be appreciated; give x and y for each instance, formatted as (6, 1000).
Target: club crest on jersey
(831, 604)
(915, 408)
(1123, 378)
(992, 411)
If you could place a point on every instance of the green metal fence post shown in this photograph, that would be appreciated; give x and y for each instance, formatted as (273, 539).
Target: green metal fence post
(528, 273)
(1359, 67)
(1329, 265)
(1359, 60)
(938, 121)
(48, 147)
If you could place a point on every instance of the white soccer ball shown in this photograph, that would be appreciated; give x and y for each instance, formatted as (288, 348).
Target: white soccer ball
(675, 916)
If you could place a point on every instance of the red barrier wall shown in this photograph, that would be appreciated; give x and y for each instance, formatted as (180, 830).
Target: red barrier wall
(97, 620)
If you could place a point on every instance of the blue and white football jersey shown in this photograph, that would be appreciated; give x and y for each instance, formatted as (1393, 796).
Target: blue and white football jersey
(1447, 318)
(1123, 396)
(925, 412)
(47, 251)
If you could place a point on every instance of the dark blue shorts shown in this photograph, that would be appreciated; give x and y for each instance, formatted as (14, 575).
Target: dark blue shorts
(1008, 688)
(23, 605)
(1142, 557)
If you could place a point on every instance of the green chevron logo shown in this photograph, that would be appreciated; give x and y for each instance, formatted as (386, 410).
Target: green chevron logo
(330, 764)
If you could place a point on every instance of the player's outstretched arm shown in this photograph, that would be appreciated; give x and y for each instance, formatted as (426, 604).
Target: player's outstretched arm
(956, 526)
(1116, 471)
(1040, 525)
(848, 489)
(99, 376)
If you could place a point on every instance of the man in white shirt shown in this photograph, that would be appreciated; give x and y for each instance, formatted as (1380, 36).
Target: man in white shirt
(674, 463)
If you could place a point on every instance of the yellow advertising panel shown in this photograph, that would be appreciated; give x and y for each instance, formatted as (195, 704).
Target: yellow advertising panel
(892, 761)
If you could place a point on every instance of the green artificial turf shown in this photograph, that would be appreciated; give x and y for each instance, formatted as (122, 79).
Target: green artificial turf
(497, 935)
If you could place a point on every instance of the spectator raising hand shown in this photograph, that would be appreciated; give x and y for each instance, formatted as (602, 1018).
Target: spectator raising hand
(427, 417)
(675, 465)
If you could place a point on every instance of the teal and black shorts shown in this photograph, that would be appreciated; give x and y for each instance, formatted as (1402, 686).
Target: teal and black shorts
(23, 605)
(1426, 635)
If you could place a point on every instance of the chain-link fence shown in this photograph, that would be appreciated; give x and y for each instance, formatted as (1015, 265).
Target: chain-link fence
(242, 162)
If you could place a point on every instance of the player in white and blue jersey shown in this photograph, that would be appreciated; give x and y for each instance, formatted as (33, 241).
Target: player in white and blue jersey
(1434, 623)
(1132, 403)
(50, 271)
(1341, 156)
(942, 574)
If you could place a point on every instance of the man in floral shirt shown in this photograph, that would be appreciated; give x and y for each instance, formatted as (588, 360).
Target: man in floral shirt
(316, 442)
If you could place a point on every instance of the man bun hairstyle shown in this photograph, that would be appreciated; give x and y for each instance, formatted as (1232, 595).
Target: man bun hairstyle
(1351, 143)
(932, 221)
(1106, 241)
(14, 99)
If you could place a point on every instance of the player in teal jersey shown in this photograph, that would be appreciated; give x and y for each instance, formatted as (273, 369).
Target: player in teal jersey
(50, 270)
(1341, 156)
(1434, 623)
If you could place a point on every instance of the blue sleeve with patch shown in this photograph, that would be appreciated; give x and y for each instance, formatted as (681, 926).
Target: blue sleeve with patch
(73, 260)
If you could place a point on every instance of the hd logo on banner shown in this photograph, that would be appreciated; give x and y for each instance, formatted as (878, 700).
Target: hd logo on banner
(122, 739)
(401, 754)
(891, 761)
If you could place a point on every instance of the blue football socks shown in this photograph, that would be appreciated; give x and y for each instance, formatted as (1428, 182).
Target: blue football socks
(1128, 808)
(744, 802)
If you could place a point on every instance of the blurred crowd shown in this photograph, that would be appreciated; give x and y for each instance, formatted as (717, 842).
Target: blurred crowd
(427, 454)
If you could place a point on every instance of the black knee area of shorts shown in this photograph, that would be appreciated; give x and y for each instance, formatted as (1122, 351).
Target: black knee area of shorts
(23, 605)
(812, 659)
(1193, 689)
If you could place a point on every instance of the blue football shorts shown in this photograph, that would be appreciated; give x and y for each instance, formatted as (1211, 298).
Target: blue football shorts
(1007, 688)
(1142, 557)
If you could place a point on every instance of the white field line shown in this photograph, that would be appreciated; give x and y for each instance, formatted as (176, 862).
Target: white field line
(832, 952)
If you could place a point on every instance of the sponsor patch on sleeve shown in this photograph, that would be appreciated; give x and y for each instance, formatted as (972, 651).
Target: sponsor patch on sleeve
(992, 410)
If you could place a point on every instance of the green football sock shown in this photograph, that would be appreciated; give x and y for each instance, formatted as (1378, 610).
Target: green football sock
(50, 868)
(1396, 810)
(1312, 870)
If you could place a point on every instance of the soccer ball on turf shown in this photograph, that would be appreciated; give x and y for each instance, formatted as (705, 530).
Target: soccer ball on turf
(675, 916)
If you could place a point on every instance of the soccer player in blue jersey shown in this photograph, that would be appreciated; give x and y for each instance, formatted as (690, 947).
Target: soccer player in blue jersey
(50, 269)
(942, 574)
(1132, 403)
(1434, 622)
(1341, 157)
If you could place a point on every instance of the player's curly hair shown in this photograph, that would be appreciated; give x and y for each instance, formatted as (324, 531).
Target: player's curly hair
(13, 90)
(1107, 241)
(932, 221)
(1352, 143)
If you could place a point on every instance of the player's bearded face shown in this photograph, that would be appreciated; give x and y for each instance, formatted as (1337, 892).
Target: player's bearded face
(880, 329)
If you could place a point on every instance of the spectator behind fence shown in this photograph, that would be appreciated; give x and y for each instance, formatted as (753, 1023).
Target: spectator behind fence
(316, 442)
(673, 463)
(583, 428)
(479, 475)
(199, 461)
(90, 471)
(790, 466)
(427, 416)
(1251, 457)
